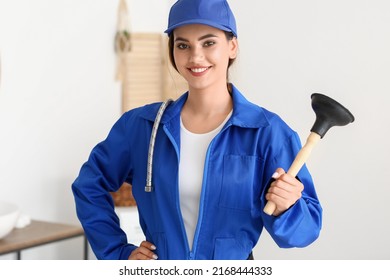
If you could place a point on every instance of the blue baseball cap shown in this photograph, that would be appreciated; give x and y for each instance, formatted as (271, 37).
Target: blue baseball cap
(215, 13)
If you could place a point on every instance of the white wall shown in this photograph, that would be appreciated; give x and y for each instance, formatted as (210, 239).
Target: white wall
(58, 98)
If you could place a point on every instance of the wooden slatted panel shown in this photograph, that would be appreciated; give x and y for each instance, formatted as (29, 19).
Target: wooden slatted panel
(142, 81)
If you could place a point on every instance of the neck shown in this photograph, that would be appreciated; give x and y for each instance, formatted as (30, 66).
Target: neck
(205, 111)
(209, 102)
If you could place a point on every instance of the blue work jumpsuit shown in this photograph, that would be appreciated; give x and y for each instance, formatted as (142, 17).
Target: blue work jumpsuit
(237, 172)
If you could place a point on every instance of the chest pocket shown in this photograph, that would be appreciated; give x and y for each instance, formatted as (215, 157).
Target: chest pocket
(239, 181)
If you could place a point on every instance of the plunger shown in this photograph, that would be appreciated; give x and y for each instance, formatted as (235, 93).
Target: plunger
(329, 113)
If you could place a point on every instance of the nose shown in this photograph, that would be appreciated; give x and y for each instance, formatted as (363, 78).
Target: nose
(196, 54)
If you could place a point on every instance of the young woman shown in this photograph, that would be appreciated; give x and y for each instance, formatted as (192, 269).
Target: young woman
(218, 159)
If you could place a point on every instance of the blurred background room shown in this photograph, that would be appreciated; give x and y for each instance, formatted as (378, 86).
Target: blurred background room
(64, 81)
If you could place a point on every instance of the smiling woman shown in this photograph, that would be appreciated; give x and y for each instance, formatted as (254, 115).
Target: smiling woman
(217, 159)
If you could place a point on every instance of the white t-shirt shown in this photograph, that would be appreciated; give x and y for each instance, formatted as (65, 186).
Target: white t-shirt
(193, 149)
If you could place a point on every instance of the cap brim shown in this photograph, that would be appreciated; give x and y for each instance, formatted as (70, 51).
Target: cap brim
(205, 22)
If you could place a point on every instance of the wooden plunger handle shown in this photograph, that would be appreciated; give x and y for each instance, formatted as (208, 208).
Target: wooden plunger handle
(299, 161)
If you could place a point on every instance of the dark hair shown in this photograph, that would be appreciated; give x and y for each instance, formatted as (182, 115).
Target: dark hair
(229, 36)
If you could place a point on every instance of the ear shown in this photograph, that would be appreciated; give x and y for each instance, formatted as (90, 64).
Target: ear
(233, 48)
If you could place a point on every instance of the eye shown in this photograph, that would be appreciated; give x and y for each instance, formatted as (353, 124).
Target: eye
(209, 43)
(182, 46)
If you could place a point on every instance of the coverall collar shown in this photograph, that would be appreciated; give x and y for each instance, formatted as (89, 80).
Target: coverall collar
(245, 114)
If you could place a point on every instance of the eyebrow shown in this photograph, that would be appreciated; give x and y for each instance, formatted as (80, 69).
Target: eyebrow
(199, 39)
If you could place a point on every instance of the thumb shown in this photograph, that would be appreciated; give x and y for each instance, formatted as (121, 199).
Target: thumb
(279, 171)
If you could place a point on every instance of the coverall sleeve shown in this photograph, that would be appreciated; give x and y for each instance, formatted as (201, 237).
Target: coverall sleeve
(105, 170)
(300, 225)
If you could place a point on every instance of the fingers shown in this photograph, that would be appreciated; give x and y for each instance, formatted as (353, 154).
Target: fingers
(144, 252)
(148, 245)
(284, 191)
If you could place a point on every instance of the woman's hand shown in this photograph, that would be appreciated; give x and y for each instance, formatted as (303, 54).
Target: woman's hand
(144, 252)
(284, 191)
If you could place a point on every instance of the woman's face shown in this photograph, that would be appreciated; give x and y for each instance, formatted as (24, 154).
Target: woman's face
(202, 54)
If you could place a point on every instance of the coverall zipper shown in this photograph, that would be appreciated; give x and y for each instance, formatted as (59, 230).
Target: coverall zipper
(203, 194)
(192, 253)
(171, 138)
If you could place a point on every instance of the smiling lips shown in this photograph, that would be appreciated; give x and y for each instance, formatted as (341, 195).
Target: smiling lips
(198, 70)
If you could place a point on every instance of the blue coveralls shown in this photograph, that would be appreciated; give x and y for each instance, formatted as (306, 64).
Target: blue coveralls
(237, 172)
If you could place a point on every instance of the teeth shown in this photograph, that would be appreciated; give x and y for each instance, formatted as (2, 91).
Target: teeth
(198, 70)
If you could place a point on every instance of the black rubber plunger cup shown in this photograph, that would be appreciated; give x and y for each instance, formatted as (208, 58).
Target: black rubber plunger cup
(329, 113)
